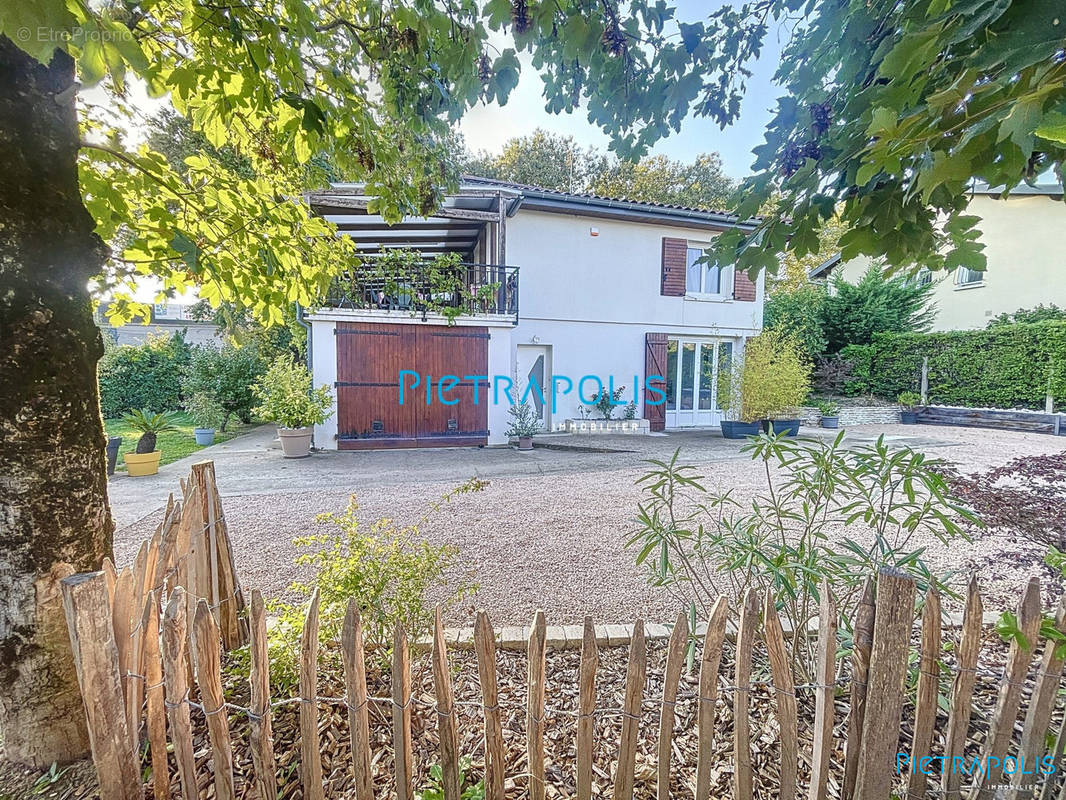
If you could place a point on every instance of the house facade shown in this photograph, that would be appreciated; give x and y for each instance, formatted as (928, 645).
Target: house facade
(564, 295)
(1022, 234)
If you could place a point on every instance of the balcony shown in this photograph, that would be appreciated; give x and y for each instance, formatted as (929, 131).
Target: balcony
(450, 290)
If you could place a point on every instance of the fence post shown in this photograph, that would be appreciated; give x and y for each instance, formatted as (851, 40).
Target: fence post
(1019, 657)
(495, 765)
(259, 734)
(860, 666)
(636, 673)
(785, 690)
(823, 703)
(358, 713)
(86, 604)
(310, 752)
(675, 662)
(586, 722)
(925, 701)
(888, 674)
(962, 689)
(749, 621)
(925, 380)
(709, 663)
(156, 705)
(446, 722)
(535, 707)
(401, 715)
(1041, 705)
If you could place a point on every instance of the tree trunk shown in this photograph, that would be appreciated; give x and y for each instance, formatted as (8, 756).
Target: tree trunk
(54, 516)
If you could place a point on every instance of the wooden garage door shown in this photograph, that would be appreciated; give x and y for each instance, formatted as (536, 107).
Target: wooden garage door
(369, 359)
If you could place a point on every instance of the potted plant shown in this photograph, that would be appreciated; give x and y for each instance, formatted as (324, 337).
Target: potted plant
(830, 412)
(144, 460)
(775, 380)
(287, 397)
(207, 414)
(731, 401)
(524, 425)
(909, 402)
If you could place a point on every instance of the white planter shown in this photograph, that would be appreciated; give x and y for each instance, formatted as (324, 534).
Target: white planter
(612, 426)
(295, 442)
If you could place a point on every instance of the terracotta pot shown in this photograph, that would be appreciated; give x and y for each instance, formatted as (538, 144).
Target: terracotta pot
(138, 465)
(525, 442)
(295, 442)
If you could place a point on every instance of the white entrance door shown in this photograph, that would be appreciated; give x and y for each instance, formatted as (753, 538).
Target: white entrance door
(533, 363)
(692, 368)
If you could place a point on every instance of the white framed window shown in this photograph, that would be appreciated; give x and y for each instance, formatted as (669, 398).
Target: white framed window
(964, 276)
(706, 278)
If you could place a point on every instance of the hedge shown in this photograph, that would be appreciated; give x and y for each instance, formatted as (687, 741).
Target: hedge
(144, 375)
(1009, 366)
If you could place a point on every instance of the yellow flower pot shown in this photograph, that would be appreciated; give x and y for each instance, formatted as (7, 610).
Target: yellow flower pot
(140, 464)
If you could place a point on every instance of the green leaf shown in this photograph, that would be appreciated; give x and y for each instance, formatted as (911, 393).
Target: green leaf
(1053, 127)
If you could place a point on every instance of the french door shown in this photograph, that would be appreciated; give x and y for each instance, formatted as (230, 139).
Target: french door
(692, 369)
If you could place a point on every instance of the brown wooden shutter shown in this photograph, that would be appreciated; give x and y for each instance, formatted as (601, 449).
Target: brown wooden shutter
(743, 286)
(673, 275)
(654, 364)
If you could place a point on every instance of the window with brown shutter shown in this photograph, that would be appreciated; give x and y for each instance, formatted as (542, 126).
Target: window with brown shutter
(673, 267)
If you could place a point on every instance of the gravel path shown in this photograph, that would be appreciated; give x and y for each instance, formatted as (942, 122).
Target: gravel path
(555, 541)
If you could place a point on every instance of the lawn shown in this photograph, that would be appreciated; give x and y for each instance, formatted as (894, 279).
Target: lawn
(174, 444)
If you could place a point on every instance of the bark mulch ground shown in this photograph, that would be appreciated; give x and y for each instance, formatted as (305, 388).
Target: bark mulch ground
(560, 729)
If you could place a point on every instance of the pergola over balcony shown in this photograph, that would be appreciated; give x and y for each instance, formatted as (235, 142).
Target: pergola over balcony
(470, 224)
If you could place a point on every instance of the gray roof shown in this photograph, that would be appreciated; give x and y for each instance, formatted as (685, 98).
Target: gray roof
(588, 204)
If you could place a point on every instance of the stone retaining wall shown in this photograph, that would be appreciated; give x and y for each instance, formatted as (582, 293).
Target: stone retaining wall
(855, 415)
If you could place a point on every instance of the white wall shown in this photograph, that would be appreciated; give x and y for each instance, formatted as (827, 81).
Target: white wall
(593, 299)
(324, 367)
(1023, 238)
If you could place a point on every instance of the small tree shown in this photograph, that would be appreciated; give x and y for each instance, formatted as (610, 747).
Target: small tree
(853, 312)
(226, 375)
(775, 375)
(801, 312)
(286, 396)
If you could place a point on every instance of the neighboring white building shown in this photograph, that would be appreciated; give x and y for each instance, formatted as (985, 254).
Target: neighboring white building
(1023, 237)
(581, 286)
(167, 319)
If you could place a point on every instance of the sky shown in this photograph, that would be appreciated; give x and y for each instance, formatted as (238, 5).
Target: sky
(488, 127)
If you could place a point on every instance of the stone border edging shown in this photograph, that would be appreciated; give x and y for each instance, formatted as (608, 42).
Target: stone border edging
(569, 637)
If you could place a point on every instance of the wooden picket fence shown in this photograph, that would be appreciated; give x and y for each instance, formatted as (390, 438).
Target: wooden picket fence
(149, 675)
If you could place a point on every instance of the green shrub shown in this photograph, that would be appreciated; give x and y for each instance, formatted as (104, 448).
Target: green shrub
(143, 376)
(1006, 366)
(801, 313)
(775, 376)
(226, 375)
(286, 396)
(700, 543)
(909, 400)
(395, 576)
(855, 313)
(206, 411)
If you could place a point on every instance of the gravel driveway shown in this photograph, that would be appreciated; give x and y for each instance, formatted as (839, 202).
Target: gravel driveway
(552, 537)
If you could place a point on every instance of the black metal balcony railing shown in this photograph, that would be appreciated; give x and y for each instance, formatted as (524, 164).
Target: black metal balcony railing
(428, 288)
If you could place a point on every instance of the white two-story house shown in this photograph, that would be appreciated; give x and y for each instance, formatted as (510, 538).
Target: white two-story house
(563, 294)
